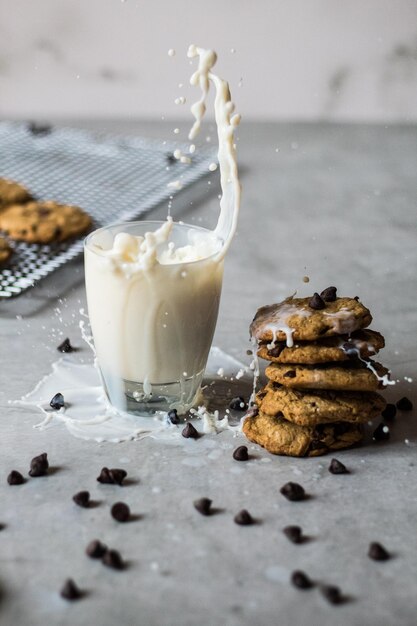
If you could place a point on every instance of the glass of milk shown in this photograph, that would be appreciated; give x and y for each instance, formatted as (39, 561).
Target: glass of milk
(153, 293)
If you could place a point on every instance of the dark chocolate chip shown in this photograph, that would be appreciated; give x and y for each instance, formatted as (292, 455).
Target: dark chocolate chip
(404, 404)
(316, 302)
(300, 580)
(43, 211)
(332, 594)
(290, 374)
(173, 416)
(377, 552)
(241, 454)
(70, 590)
(120, 512)
(39, 465)
(329, 294)
(337, 467)
(238, 404)
(293, 533)
(57, 401)
(112, 476)
(276, 350)
(189, 432)
(39, 130)
(15, 478)
(66, 346)
(389, 412)
(170, 158)
(243, 518)
(113, 559)
(96, 549)
(293, 491)
(381, 432)
(82, 498)
(350, 350)
(203, 506)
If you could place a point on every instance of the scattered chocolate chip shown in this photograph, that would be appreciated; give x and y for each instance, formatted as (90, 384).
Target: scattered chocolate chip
(170, 158)
(120, 512)
(243, 518)
(337, 467)
(290, 374)
(113, 559)
(39, 465)
(404, 404)
(15, 478)
(70, 590)
(112, 476)
(189, 432)
(316, 302)
(96, 549)
(389, 412)
(39, 130)
(66, 346)
(381, 432)
(332, 594)
(203, 506)
(57, 401)
(173, 416)
(300, 580)
(377, 552)
(241, 454)
(293, 533)
(238, 404)
(329, 294)
(293, 491)
(82, 498)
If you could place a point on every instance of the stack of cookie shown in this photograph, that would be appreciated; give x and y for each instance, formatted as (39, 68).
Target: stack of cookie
(322, 382)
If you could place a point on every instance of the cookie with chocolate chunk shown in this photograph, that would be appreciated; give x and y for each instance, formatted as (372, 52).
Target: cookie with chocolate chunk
(363, 343)
(44, 222)
(12, 192)
(352, 376)
(279, 436)
(298, 319)
(5, 251)
(312, 407)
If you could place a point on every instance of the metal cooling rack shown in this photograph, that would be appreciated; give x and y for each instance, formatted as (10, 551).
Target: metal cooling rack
(111, 178)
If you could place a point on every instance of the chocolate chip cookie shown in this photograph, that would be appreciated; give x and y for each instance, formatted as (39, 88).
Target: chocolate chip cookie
(5, 251)
(44, 222)
(309, 408)
(279, 436)
(12, 192)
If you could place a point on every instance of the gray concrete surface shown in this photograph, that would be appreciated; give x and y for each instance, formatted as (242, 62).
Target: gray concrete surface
(336, 203)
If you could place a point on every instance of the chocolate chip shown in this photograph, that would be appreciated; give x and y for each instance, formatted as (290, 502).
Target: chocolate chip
(300, 580)
(173, 416)
(189, 432)
(57, 401)
(337, 467)
(329, 294)
(120, 512)
(276, 351)
(203, 506)
(293, 533)
(389, 412)
(293, 491)
(290, 374)
(70, 590)
(113, 559)
(238, 404)
(95, 549)
(381, 432)
(243, 518)
(15, 478)
(332, 594)
(112, 476)
(170, 158)
(39, 130)
(316, 302)
(241, 454)
(66, 346)
(350, 350)
(82, 498)
(377, 552)
(404, 404)
(39, 465)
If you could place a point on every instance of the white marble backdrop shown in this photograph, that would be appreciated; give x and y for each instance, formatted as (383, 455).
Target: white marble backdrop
(286, 59)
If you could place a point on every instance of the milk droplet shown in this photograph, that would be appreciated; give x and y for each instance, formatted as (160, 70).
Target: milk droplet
(213, 167)
(176, 131)
(171, 52)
